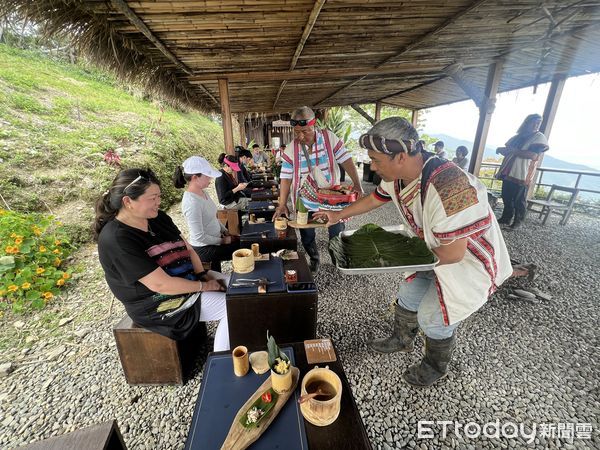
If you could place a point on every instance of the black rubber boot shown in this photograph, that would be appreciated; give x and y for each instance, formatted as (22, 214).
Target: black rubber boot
(505, 220)
(313, 254)
(434, 366)
(403, 336)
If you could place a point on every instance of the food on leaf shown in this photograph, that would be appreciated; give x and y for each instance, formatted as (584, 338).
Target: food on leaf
(372, 246)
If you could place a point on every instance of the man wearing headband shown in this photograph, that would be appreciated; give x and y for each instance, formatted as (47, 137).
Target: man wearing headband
(313, 154)
(448, 209)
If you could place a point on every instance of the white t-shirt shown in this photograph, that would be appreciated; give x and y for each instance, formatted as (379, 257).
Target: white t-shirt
(201, 217)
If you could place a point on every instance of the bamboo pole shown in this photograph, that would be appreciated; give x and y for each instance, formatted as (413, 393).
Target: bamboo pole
(415, 118)
(226, 115)
(363, 113)
(378, 106)
(485, 115)
(241, 117)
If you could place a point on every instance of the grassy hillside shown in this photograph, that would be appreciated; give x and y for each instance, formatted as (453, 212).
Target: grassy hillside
(56, 122)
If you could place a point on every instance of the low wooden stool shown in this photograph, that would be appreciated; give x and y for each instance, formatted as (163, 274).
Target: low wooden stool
(105, 436)
(231, 219)
(150, 358)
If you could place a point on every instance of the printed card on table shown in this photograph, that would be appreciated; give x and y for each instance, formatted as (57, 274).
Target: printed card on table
(319, 351)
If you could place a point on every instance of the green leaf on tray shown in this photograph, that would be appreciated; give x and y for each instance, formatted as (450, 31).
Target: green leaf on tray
(259, 403)
(372, 246)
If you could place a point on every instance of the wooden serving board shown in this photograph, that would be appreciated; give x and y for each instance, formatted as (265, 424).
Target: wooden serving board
(294, 224)
(240, 438)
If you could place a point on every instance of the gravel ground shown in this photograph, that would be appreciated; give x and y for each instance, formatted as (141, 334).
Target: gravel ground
(516, 361)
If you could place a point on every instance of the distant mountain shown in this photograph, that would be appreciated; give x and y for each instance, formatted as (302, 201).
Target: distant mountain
(563, 179)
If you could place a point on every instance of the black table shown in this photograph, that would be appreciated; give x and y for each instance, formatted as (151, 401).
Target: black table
(270, 242)
(346, 433)
(263, 184)
(290, 316)
(264, 194)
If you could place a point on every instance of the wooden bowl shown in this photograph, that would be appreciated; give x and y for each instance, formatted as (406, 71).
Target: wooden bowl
(243, 260)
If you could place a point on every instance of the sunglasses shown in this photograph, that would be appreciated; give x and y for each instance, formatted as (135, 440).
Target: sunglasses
(303, 122)
(139, 178)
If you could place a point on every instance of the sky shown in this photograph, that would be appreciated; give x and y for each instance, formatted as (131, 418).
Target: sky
(572, 136)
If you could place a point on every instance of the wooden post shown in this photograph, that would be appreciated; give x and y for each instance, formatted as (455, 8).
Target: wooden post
(415, 118)
(378, 106)
(241, 117)
(485, 115)
(552, 101)
(226, 115)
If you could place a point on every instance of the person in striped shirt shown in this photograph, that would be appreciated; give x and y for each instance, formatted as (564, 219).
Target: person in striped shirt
(312, 158)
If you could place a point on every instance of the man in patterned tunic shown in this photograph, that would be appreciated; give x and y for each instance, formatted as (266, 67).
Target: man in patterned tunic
(448, 208)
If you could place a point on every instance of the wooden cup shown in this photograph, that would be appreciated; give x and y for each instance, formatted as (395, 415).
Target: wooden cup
(241, 365)
(256, 250)
(243, 260)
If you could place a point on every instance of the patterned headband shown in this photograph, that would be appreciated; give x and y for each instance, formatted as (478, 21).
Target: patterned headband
(388, 146)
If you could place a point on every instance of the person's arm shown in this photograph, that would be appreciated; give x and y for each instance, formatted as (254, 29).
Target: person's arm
(451, 252)
(284, 192)
(161, 282)
(350, 169)
(361, 206)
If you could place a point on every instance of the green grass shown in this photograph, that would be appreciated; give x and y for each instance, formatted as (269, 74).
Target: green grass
(57, 120)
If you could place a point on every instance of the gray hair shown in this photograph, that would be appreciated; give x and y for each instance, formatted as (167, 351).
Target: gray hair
(396, 128)
(303, 112)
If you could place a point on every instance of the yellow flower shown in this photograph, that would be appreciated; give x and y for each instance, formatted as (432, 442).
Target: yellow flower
(26, 285)
(13, 288)
(9, 249)
(40, 270)
(13, 235)
(60, 282)
(56, 251)
(57, 262)
(42, 249)
(2, 292)
(36, 231)
(48, 295)
(66, 276)
(57, 242)
(18, 240)
(15, 250)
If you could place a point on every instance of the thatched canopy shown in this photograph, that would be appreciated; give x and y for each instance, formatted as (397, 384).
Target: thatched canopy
(278, 54)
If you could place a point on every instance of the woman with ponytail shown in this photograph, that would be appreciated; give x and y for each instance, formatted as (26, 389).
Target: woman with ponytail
(150, 267)
(208, 237)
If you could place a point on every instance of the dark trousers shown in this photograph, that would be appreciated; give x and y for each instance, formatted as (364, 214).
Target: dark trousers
(308, 238)
(217, 253)
(514, 196)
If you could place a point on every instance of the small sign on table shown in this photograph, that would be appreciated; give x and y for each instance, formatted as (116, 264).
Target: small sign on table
(319, 351)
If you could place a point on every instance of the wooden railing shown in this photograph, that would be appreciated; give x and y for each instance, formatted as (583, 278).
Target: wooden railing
(495, 184)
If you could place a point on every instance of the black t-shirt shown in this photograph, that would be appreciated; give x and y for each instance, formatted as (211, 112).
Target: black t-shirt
(128, 254)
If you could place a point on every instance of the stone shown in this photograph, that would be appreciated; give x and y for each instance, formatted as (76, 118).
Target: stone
(19, 324)
(64, 321)
(55, 353)
(6, 369)
(524, 294)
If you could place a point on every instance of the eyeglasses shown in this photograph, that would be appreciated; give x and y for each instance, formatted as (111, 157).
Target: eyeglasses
(303, 122)
(140, 177)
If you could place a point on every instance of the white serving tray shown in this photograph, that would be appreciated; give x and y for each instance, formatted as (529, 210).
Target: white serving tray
(399, 229)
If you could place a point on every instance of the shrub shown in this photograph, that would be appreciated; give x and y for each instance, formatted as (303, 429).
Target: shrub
(33, 250)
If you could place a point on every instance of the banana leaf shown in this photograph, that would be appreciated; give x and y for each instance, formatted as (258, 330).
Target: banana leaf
(372, 246)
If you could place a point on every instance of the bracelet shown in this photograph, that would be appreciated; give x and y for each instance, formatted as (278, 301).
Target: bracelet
(201, 286)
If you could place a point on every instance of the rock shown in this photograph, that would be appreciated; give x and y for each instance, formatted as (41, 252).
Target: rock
(29, 339)
(6, 369)
(82, 332)
(19, 324)
(55, 353)
(64, 321)
(541, 294)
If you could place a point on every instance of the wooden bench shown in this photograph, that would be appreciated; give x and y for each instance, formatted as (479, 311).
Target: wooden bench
(551, 206)
(105, 436)
(150, 358)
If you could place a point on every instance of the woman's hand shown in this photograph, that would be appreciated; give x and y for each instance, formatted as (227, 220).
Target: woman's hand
(332, 217)
(240, 187)
(212, 285)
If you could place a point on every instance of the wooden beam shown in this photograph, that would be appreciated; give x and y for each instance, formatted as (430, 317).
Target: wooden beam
(312, 19)
(123, 8)
(552, 102)
(226, 116)
(485, 115)
(241, 117)
(416, 43)
(455, 72)
(363, 113)
(415, 118)
(321, 74)
(378, 106)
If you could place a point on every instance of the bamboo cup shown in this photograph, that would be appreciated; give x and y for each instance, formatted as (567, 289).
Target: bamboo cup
(256, 250)
(240, 361)
(243, 260)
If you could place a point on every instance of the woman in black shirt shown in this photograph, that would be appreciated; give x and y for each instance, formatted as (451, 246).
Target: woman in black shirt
(229, 190)
(150, 267)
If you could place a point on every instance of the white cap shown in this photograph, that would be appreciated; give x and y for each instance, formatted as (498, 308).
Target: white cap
(195, 165)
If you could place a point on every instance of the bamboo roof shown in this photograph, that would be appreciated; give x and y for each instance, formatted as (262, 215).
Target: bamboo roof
(280, 54)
